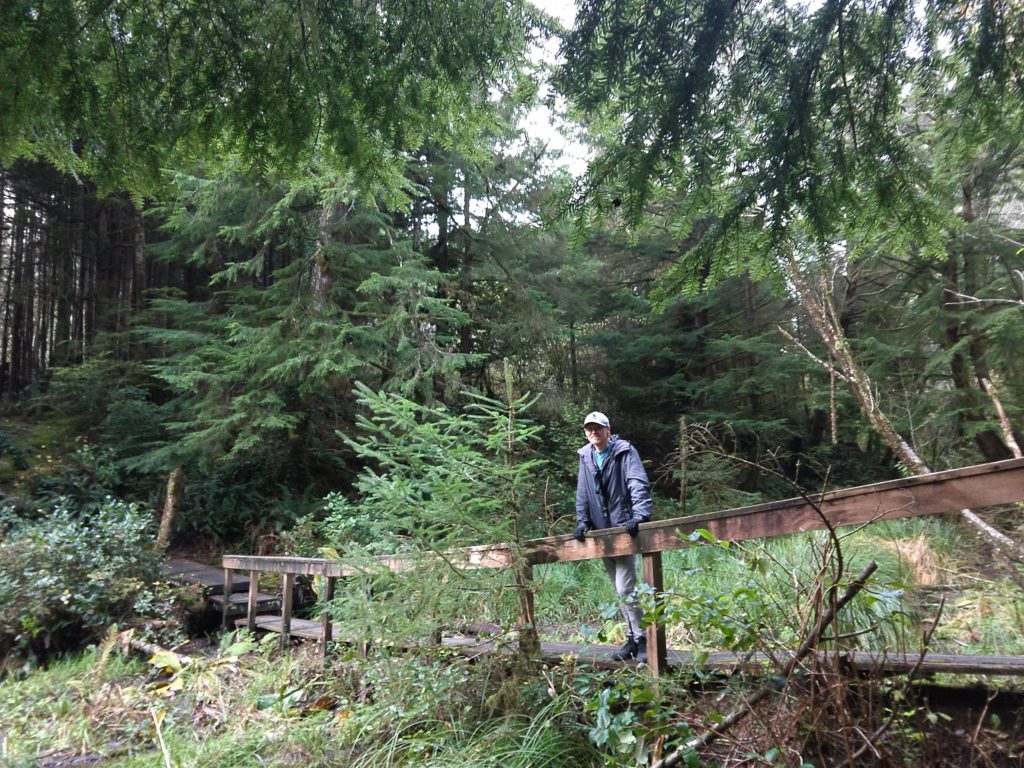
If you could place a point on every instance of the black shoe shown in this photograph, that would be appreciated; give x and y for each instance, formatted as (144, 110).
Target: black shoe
(628, 651)
(641, 650)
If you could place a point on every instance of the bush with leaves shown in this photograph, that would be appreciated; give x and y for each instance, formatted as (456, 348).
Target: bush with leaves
(66, 577)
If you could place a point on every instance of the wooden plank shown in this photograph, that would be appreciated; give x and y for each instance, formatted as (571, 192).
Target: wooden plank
(730, 662)
(981, 485)
(302, 566)
(182, 571)
(872, 661)
(253, 602)
(304, 628)
(468, 558)
(238, 603)
(227, 591)
(326, 629)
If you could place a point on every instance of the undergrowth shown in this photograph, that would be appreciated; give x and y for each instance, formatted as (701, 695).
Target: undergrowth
(245, 704)
(248, 704)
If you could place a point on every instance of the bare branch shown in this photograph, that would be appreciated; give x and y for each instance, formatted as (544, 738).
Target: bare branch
(809, 642)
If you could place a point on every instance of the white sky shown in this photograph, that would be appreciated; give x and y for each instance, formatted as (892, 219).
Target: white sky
(541, 123)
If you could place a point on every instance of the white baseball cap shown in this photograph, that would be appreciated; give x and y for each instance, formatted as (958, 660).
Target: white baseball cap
(596, 417)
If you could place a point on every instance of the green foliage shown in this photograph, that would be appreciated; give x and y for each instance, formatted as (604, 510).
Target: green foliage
(751, 118)
(871, 149)
(347, 524)
(66, 577)
(629, 716)
(67, 691)
(85, 479)
(436, 480)
(10, 450)
(108, 405)
(311, 288)
(431, 467)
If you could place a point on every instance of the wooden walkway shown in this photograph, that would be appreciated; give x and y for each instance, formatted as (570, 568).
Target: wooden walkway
(212, 580)
(729, 662)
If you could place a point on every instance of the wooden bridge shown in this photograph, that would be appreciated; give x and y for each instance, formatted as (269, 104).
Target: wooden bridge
(983, 485)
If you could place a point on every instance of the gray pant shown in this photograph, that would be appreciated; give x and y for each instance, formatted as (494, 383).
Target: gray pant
(622, 572)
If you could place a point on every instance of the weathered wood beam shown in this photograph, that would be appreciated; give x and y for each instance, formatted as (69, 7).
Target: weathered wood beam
(325, 619)
(253, 602)
(980, 485)
(287, 598)
(467, 558)
(228, 577)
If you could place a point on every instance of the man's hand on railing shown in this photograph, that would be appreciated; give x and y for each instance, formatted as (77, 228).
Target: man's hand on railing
(581, 532)
(632, 527)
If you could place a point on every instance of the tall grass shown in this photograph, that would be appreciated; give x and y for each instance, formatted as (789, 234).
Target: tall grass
(79, 703)
(537, 740)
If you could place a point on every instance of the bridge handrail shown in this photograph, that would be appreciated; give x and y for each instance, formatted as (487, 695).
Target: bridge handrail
(951, 490)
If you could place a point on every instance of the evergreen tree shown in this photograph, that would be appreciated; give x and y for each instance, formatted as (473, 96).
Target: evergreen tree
(119, 90)
(779, 142)
(310, 289)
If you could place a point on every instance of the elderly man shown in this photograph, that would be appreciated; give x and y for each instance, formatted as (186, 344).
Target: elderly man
(612, 490)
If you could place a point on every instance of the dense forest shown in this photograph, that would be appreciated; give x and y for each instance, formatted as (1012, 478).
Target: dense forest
(815, 254)
(249, 249)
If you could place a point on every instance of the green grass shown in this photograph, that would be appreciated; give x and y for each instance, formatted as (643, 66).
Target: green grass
(82, 703)
(918, 560)
(266, 708)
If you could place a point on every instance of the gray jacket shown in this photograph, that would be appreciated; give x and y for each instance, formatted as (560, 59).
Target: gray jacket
(624, 479)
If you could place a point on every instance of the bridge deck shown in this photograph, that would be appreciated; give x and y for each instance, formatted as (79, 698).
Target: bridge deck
(724, 661)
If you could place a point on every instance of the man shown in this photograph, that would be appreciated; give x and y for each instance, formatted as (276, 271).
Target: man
(612, 490)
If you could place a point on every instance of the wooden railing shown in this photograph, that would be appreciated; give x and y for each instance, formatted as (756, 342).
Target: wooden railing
(940, 492)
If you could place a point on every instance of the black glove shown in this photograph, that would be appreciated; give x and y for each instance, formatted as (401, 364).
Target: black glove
(581, 532)
(632, 527)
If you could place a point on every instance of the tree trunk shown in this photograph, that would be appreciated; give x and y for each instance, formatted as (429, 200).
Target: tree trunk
(962, 334)
(171, 502)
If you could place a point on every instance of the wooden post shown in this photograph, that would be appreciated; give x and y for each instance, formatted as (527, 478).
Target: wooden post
(287, 588)
(325, 639)
(228, 573)
(657, 647)
(254, 589)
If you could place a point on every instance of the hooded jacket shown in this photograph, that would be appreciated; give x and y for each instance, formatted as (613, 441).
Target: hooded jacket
(624, 478)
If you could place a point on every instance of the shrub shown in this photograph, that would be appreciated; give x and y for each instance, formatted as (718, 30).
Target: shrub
(65, 578)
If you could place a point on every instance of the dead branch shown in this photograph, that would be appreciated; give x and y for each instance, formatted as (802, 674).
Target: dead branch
(1004, 421)
(826, 365)
(810, 641)
(131, 643)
